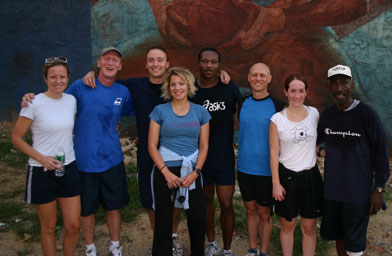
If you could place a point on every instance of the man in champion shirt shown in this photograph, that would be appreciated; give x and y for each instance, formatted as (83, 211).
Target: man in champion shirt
(356, 165)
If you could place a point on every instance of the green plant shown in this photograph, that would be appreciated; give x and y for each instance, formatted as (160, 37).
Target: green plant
(24, 252)
(10, 155)
(20, 218)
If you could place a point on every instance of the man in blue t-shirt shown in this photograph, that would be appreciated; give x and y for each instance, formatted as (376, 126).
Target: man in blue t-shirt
(356, 165)
(253, 164)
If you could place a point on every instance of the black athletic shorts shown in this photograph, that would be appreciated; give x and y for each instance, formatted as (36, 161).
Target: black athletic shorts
(255, 187)
(304, 193)
(221, 177)
(108, 188)
(345, 221)
(145, 192)
(44, 187)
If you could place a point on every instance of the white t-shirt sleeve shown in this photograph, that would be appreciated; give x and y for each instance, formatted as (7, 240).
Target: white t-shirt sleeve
(28, 111)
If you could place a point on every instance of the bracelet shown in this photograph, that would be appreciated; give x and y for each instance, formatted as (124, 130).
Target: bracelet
(162, 168)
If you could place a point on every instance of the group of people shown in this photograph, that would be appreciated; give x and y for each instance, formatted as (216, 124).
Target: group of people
(185, 156)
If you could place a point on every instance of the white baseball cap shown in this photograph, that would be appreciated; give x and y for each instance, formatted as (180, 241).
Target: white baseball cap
(339, 70)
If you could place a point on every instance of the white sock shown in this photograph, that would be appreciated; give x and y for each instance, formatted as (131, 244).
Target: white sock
(90, 246)
(212, 243)
(354, 253)
(114, 244)
(226, 250)
(174, 235)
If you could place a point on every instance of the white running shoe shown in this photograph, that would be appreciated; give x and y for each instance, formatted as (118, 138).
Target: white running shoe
(227, 253)
(115, 251)
(92, 252)
(212, 250)
(253, 252)
(178, 248)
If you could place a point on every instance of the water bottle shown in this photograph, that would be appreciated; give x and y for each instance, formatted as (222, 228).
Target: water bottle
(60, 156)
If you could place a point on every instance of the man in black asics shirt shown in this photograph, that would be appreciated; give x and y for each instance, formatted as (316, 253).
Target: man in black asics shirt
(221, 101)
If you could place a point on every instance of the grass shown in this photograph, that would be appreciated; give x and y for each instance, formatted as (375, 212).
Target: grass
(10, 155)
(19, 218)
(22, 218)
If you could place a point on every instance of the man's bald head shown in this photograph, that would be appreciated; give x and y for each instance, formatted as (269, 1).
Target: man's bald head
(258, 66)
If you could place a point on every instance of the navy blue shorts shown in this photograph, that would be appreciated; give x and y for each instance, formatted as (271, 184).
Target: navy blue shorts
(108, 188)
(345, 221)
(145, 192)
(255, 187)
(44, 187)
(304, 193)
(220, 177)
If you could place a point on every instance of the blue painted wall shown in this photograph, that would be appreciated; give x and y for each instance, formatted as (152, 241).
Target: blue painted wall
(32, 31)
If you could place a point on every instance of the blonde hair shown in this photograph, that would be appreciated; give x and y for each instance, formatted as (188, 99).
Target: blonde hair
(185, 75)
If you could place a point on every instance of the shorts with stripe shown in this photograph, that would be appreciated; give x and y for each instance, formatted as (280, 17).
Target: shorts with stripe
(145, 191)
(44, 187)
(304, 193)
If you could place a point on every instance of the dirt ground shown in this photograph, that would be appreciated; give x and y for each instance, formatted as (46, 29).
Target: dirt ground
(137, 236)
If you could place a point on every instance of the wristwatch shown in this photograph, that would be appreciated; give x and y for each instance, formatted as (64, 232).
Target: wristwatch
(379, 189)
(198, 171)
(319, 151)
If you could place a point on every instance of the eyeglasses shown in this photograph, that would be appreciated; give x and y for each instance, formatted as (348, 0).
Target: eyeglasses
(50, 60)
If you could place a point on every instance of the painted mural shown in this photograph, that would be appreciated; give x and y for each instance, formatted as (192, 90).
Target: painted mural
(289, 35)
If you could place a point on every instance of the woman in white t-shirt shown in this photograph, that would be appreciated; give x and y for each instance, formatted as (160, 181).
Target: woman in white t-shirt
(296, 179)
(51, 119)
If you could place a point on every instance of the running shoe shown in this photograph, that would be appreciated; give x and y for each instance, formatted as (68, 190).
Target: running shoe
(115, 251)
(92, 252)
(227, 253)
(212, 250)
(253, 252)
(178, 248)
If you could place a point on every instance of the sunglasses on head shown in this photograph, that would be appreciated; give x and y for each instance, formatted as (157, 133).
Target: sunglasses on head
(53, 59)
